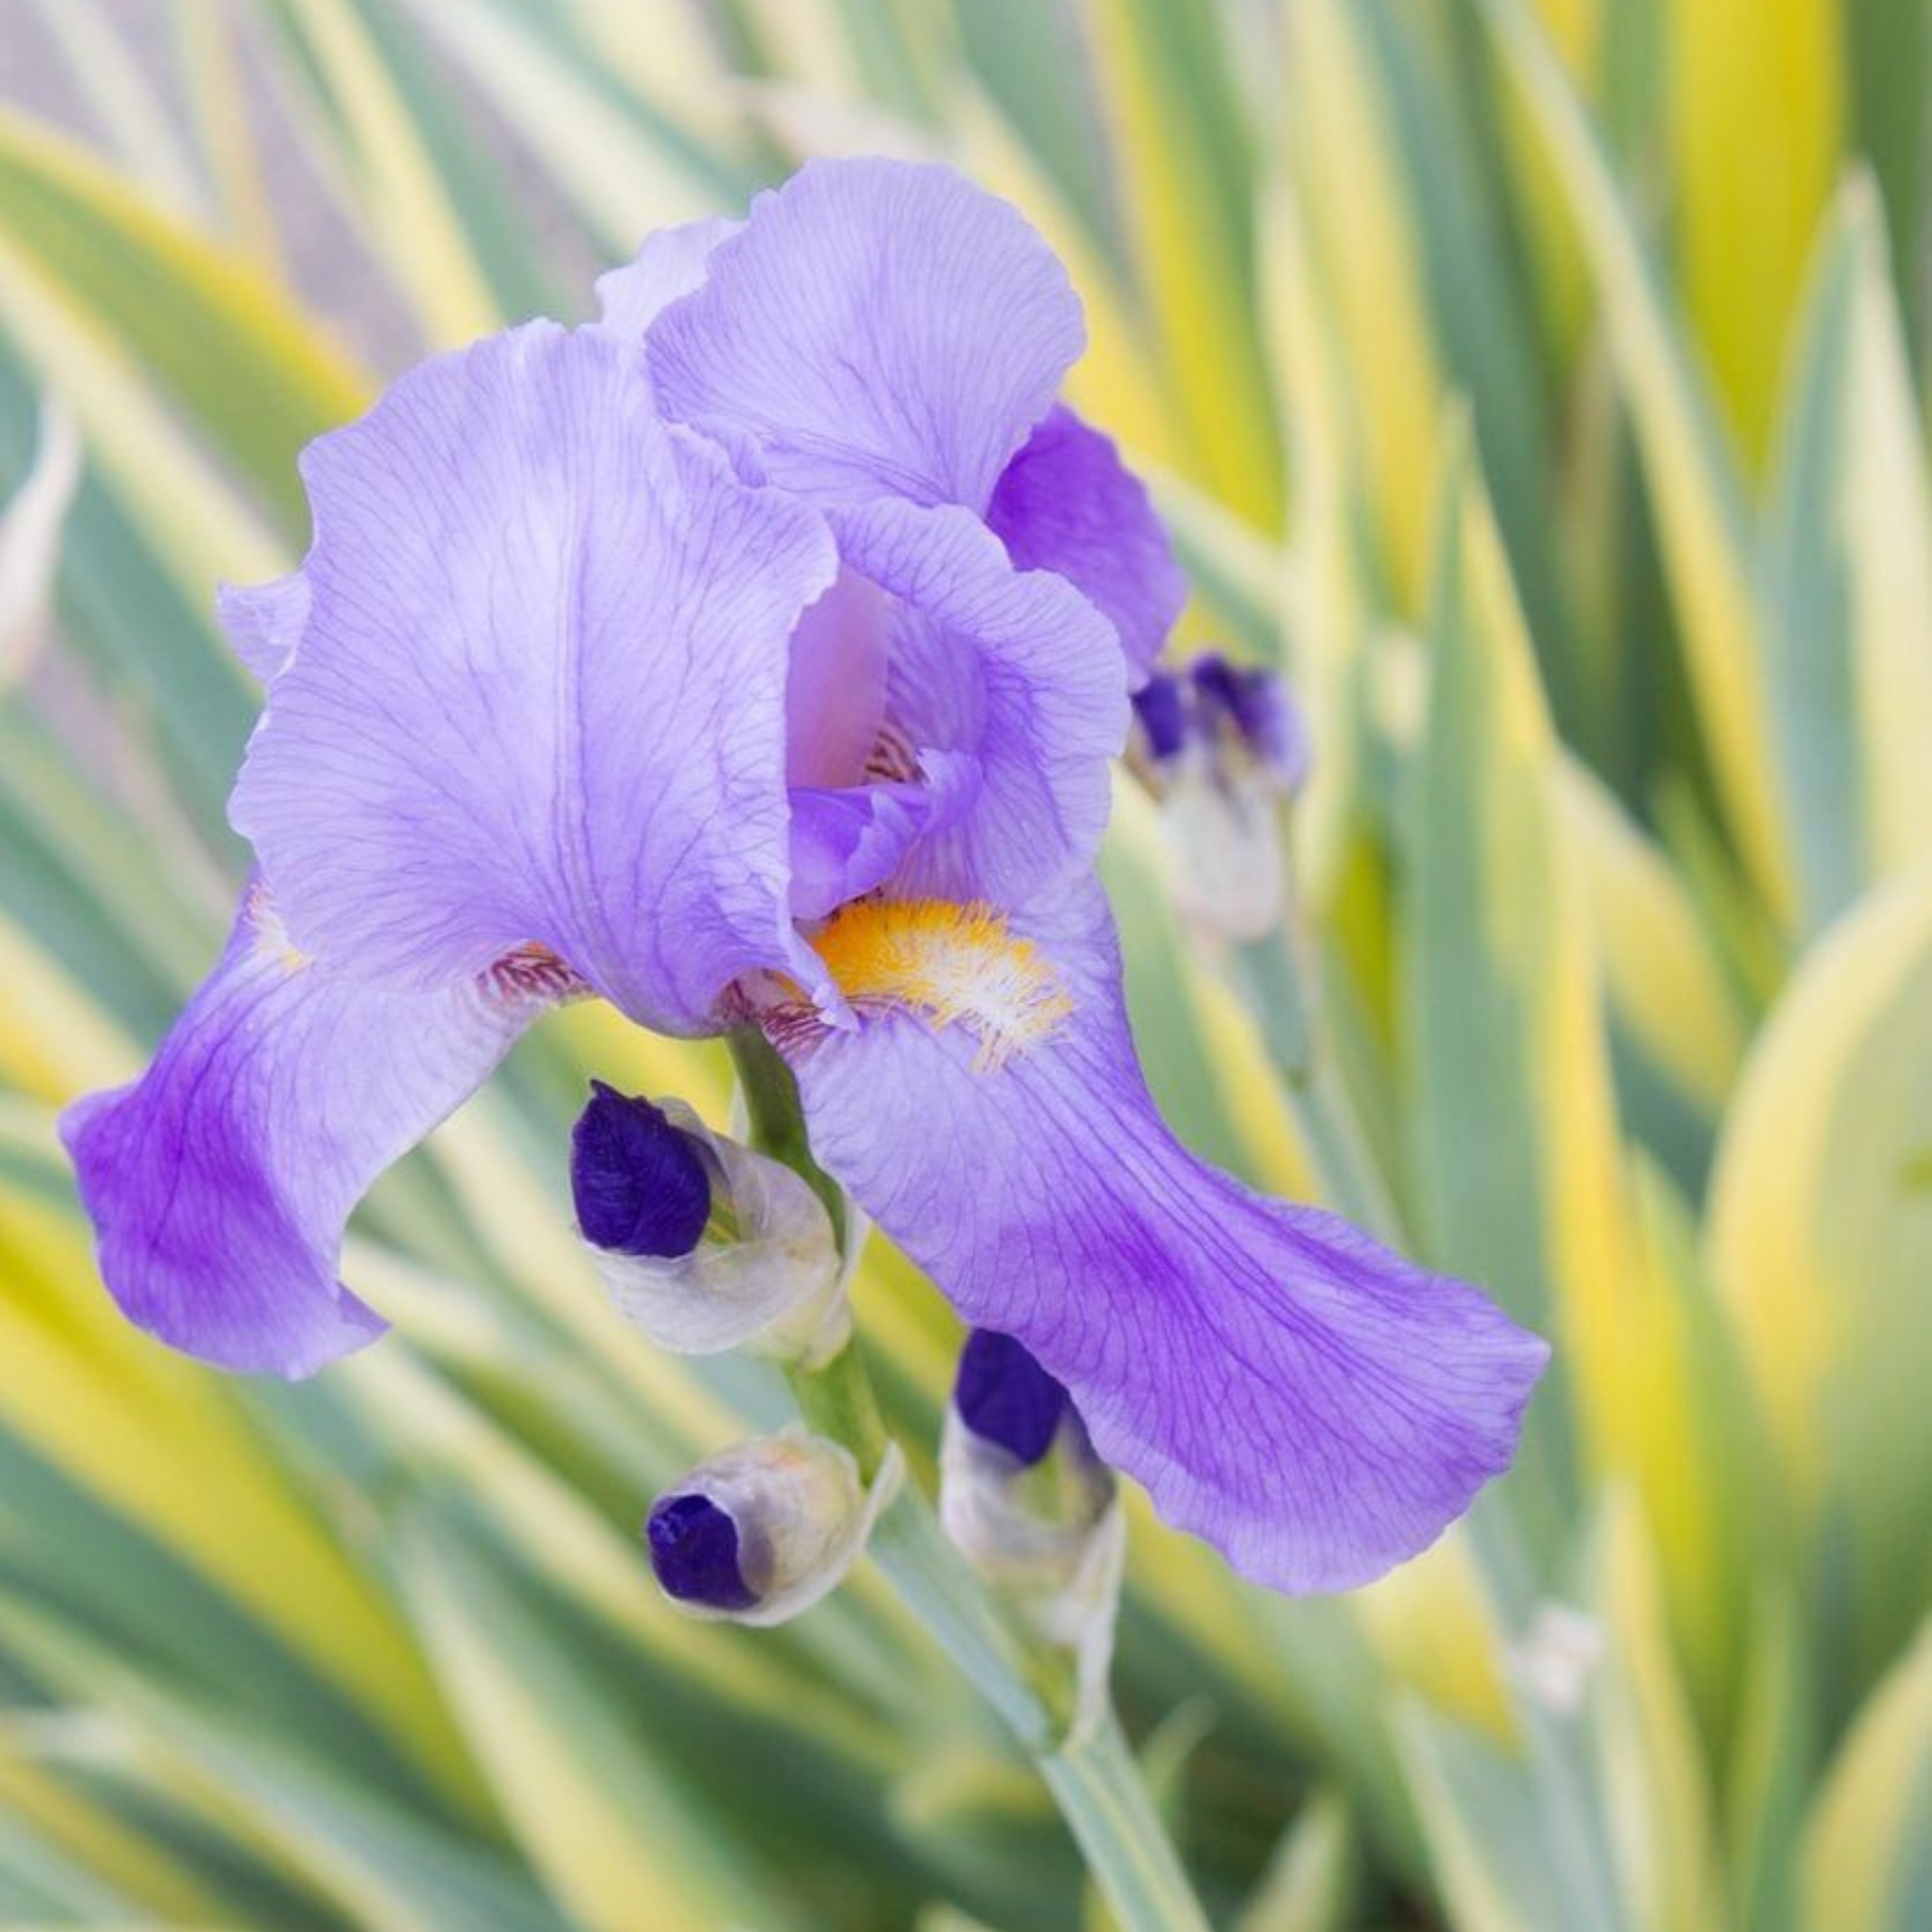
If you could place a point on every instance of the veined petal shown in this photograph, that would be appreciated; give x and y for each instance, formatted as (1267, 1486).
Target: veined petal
(880, 328)
(1314, 1406)
(669, 265)
(1011, 674)
(220, 1182)
(848, 842)
(540, 692)
(1066, 503)
(835, 689)
(264, 621)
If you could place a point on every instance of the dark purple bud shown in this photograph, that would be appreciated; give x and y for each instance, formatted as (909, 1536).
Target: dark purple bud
(1003, 1396)
(640, 1184)
(694, 1547)
(1161, 706)
(1258, 704)
(1217, 681)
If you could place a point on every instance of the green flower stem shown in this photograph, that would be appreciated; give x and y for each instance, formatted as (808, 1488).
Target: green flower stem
(1104, 1801)
(777, 1121)
(838, 1401)
(1030, 1686)
(1093, 1777)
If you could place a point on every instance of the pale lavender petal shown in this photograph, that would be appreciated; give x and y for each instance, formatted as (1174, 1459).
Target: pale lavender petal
(541, 694)
(880, 327)
(669, 265)
(220, 1182)
(1066, 503)
(1014, 677)
(836, 692)
(264, 621)
(1313, 1405)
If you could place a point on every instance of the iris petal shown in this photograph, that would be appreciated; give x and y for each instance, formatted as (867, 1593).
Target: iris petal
(1067, 503)
(879, 327)
(221, 1181)
(836, 687)
(263, 621)
(1311, 1404)
(541, 693)
(847, 842)
(670, 264)
(1013, 672)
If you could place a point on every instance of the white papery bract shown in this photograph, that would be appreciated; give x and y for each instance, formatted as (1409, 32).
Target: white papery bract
(1049, 1536)
(779, 1520)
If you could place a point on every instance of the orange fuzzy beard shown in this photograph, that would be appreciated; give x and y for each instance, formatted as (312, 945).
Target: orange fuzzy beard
(949, 964)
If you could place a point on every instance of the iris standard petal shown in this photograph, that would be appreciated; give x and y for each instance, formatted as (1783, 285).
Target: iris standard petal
(1066, 503)
(541, 693)
(669, 265)
(835, 688)
(1311, 1404)
(220, 1182)
(1013, 678)
(880, 327)
(264, 621)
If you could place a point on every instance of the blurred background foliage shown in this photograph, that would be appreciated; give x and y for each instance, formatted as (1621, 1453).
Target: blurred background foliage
(1544, 384)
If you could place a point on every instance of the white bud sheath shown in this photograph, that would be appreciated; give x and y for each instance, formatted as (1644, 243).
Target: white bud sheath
(1051, 1538)
(1226, 854)
(801, 1517)
(777, 1286)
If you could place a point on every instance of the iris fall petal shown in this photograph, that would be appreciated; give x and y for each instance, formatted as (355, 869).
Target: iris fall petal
(221, 1181)
(1314, 1406)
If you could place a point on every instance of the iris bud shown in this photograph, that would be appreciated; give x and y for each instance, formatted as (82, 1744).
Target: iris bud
(1025, 1499)
(1160, 716)
(1222, 746)
(1228, 859)
(1257, 707)
(704, 1244)
(1006, 1400)
(641, 1183)
(760, 1532)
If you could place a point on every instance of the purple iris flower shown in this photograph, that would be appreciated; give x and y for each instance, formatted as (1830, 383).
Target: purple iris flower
(756, 656)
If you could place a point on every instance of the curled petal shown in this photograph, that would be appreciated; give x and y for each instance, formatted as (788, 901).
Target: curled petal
(1067, 503)
(1314, 1406)
(264, 621)
(1013, 678)
(220, 1182)
(669, 265)
(1004, 1399)
(540, 696)
(846, 843)
(879, 327)
(642, 1185)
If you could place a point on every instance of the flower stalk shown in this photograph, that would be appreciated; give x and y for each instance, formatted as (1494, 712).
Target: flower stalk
(1030, 1684)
